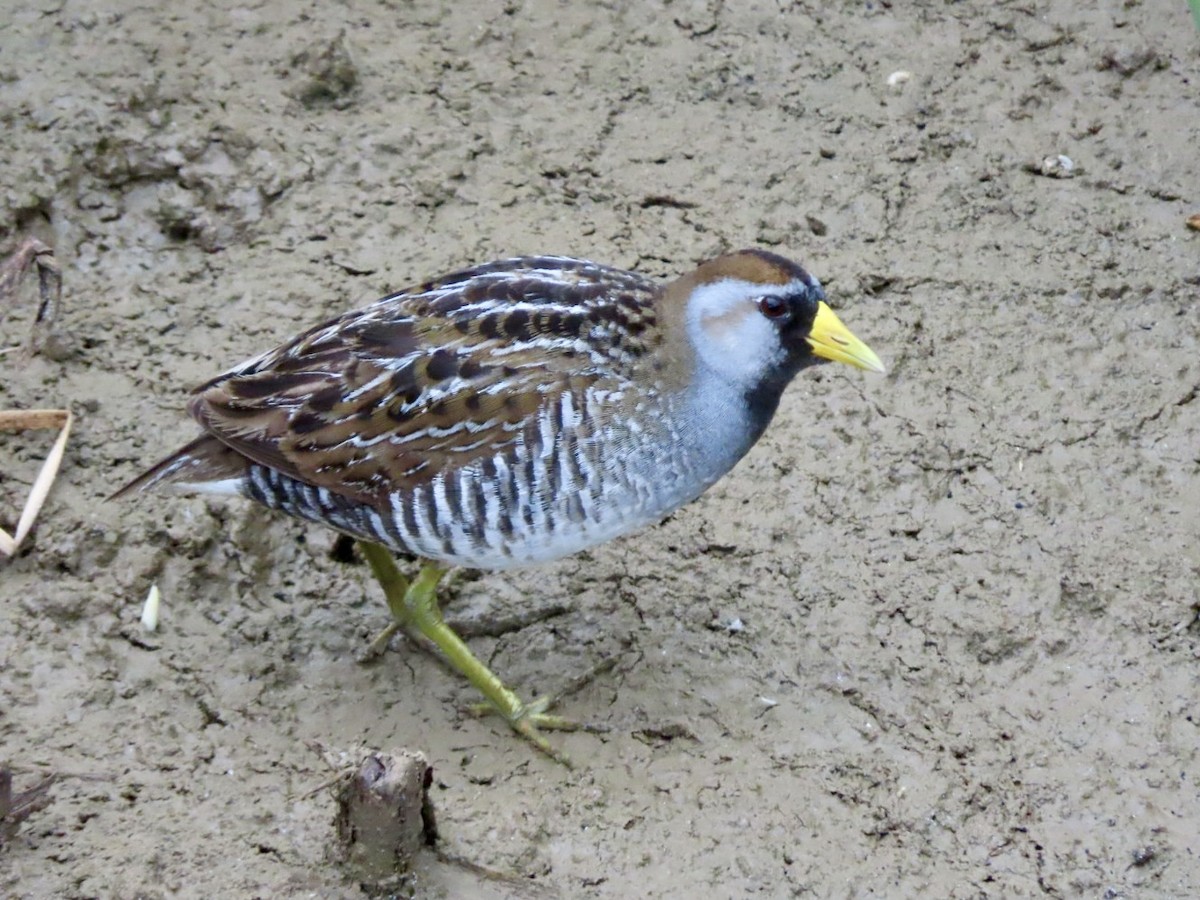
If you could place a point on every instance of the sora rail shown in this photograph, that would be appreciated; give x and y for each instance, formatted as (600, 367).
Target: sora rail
(509, 414)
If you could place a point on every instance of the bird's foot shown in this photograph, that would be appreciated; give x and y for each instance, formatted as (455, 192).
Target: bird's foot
(530, 719)
(415, 609)
(380, 642)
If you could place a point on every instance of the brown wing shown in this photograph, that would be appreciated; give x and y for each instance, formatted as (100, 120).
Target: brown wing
(426, 382)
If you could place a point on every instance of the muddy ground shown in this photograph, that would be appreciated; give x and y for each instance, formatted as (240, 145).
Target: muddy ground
(967, 661)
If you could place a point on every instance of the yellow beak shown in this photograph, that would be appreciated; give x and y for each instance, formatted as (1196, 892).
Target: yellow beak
(832, 340)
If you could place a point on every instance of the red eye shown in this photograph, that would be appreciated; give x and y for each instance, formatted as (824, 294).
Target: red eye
(773, 307)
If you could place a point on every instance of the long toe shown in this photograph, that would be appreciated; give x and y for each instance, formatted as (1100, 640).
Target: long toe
(530, 719)
(529, 731)
(379, 643)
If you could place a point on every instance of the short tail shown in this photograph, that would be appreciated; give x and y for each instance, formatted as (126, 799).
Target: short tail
(203, 464)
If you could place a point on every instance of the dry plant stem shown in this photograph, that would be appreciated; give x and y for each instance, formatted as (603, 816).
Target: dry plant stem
(32, 252)
(16, 807)
(31, 420)
(384, 814)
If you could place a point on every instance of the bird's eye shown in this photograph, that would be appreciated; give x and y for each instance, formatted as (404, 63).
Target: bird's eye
(773, 307)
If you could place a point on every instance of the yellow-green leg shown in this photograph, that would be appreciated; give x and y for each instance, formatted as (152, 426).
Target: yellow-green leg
(395, 588)
(414, 606)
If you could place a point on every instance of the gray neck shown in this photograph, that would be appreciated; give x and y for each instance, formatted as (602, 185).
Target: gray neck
(712, 426)
(727, 421)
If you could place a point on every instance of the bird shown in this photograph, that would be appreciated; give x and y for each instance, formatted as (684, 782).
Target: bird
(510, 414)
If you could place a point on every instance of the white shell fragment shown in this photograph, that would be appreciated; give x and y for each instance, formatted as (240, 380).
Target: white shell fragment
(150, 609)
(898, 78)
(1058, 166)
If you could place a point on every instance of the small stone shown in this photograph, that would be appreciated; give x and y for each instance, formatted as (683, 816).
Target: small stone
(57, 346)
(330, 76)
(1058, 166)
(1125, 61)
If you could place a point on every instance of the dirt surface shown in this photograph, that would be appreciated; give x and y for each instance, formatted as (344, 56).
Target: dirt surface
(936, 635)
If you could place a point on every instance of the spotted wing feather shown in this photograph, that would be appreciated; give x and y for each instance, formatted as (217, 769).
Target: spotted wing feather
(434, 378)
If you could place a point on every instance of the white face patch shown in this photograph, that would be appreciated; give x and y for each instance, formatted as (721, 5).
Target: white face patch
(730, 334)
